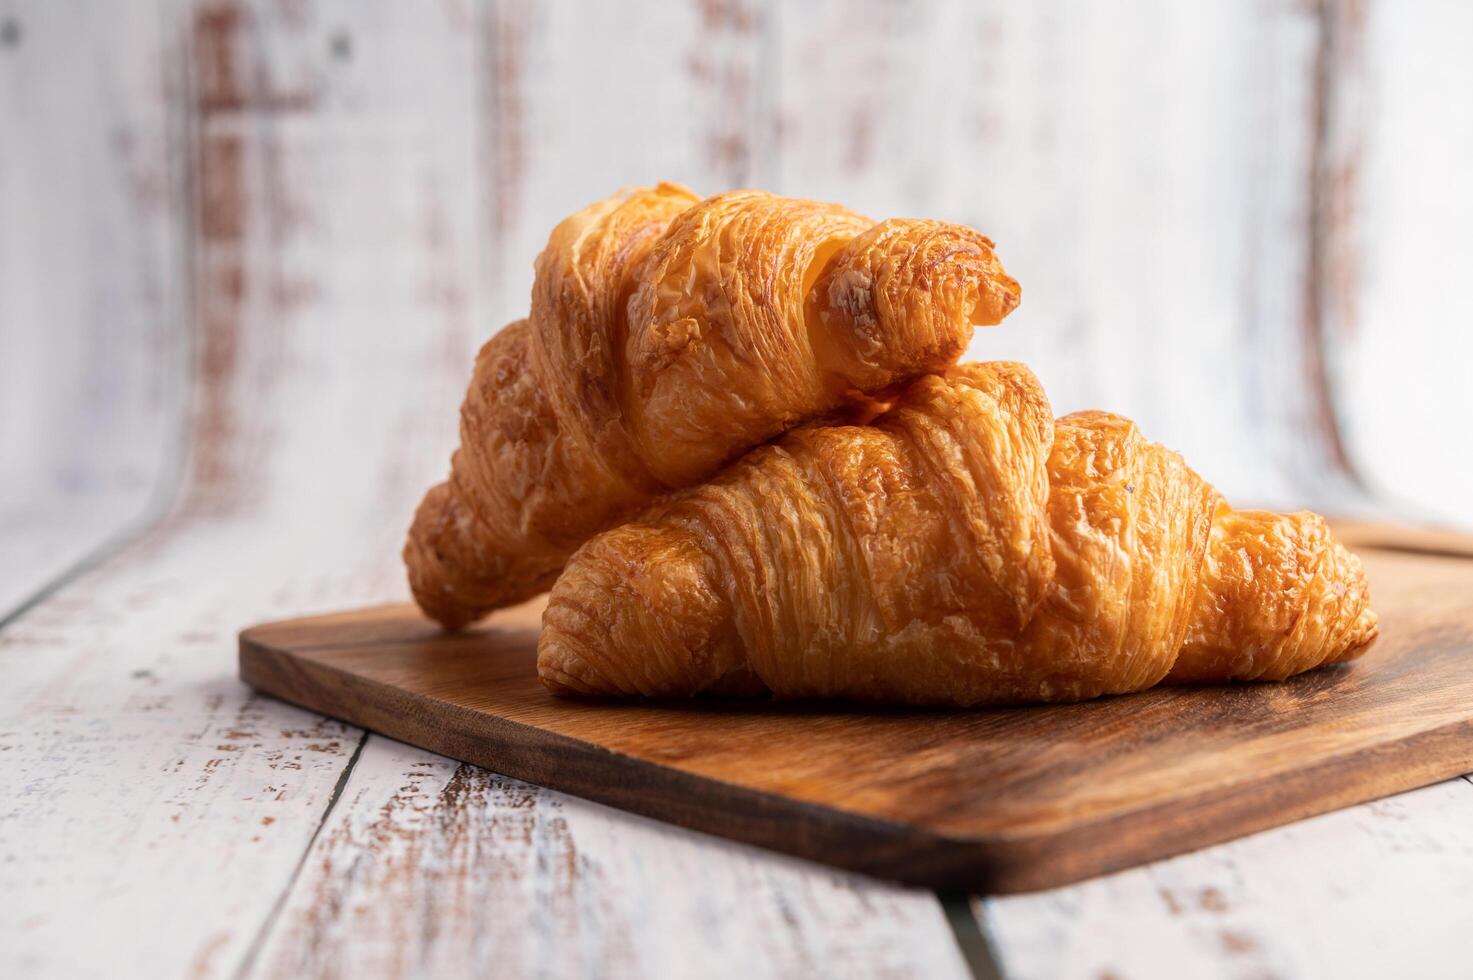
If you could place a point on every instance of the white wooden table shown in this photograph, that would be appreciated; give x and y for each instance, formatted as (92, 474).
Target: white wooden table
(247, 252)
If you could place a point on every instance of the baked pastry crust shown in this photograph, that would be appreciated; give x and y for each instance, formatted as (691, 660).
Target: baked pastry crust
(965, 548)
(667, 336)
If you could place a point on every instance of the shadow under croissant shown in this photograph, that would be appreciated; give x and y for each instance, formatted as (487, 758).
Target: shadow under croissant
(1329, 680)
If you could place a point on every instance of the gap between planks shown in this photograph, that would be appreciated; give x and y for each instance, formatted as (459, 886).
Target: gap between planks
(115, 543)
(972, 940)
(263, 933)
(157, 505)
(971, 937)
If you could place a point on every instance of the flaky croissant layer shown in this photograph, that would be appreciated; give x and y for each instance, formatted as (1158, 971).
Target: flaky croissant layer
(965, 548)
(667, 336)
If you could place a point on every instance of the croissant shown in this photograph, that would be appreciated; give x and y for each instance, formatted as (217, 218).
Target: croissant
(964, 548)
(667, 336)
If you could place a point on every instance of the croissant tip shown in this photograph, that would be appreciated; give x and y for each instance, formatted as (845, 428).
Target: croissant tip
(674, 188)
(1367, 632)
(1001, 296)
(559, 683)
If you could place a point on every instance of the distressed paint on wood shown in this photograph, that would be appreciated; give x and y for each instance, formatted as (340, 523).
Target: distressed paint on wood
(46, 541)
(429, 867)
(1334, 129)
(1401, 348)
(91, 357)
(565, 122)
(145, 784)
(1121, 160)
(354, 332)
(141, 783)
(1378, 890)
(336, 306)
(89, 354)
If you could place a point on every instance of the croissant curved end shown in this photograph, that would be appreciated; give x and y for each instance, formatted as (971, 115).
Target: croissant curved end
(433, 572)
(903, 298)
(1279, 595)
(637, 612)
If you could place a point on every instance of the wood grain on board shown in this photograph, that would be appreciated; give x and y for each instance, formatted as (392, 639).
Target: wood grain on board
(992, 800)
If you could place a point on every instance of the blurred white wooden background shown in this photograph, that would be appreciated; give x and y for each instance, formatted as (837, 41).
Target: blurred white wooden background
(247, 251)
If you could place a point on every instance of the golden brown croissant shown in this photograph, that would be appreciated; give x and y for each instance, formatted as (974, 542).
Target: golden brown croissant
(667, 336)
(965, 548)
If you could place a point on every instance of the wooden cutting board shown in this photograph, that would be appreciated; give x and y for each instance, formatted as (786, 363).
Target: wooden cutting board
(998, 800)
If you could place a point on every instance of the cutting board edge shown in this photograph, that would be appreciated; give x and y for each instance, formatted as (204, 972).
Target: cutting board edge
(1233, 812)
(856, 842)
(990, 863)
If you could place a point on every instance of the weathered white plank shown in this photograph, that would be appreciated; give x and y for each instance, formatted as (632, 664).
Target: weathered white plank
(332, 152)
(41, 542)
(143, 785)
(433, 868)
(334, 254)
(91, 370)
(88, 290)
(580, 99)
(1378, 890)
(1401, 345)
(1143, 168)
